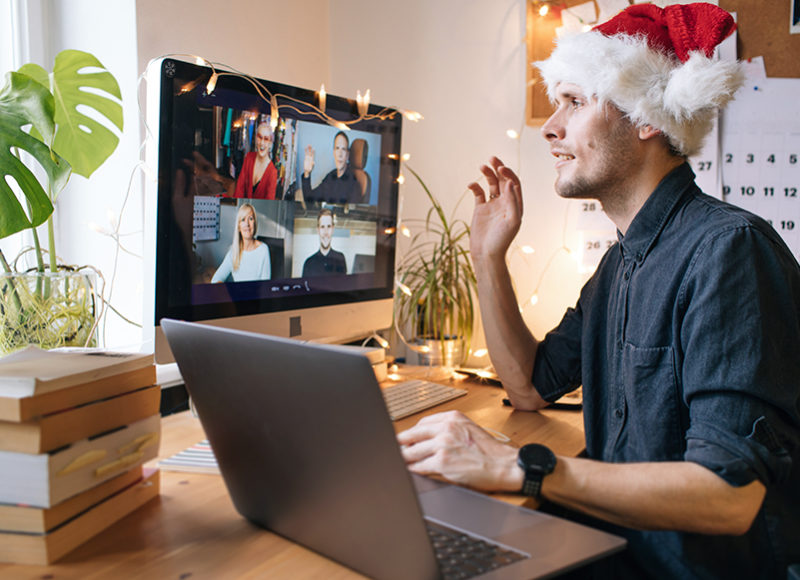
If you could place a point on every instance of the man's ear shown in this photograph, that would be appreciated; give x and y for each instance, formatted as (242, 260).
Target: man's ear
(648, 132)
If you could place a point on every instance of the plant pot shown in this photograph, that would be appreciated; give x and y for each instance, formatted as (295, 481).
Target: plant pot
(48, 310)
(448, 353)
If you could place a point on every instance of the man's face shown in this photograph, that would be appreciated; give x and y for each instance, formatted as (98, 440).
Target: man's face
(325, 229)
(263, 141)
(593, 145)
(341, 153)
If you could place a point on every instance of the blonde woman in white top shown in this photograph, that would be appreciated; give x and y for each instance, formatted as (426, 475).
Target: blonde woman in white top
(247, 258)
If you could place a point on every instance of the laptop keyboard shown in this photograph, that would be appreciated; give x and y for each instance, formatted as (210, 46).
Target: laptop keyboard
(412, 396)
(462, 556)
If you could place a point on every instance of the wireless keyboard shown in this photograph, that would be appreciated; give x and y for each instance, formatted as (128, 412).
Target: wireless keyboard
(413, 396)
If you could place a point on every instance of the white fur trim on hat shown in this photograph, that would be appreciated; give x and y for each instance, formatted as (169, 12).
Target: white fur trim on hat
(652, 88)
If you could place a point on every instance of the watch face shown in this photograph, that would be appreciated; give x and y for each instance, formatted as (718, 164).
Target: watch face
(535, 457)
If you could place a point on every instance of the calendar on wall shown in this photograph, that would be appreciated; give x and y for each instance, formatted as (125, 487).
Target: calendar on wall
(760, 154)
(205, 221)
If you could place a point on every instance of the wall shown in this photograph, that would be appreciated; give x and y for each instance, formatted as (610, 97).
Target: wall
(462, 65)
(271, 39)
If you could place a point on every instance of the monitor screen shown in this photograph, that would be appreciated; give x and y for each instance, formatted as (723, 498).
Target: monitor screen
(267, 214)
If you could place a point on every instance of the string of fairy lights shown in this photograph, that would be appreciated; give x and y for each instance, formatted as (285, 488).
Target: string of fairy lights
(278, 101)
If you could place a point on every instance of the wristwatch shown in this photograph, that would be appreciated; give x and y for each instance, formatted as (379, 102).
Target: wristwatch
(536, 461)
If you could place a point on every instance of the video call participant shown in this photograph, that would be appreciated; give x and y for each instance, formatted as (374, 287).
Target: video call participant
(258, 176)
(686, 338)
(326, 260)
(247, 258)
(340, 184)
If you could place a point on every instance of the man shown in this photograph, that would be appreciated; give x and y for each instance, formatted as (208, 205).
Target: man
(686, 339)
(340, 184)
(326, 260)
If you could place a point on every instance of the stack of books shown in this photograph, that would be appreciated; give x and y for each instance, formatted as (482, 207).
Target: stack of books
(76, 427)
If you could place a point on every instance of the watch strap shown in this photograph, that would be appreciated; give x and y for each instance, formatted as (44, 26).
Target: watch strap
(532, 487)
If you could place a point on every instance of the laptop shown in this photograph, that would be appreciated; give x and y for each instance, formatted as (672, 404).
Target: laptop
(307, 450)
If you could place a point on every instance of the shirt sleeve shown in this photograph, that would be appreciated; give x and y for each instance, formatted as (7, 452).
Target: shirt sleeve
(557, 369)
(741, 372)
(224, 269)
(266, 266)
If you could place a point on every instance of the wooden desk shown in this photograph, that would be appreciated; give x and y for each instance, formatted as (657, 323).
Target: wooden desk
(193, 531)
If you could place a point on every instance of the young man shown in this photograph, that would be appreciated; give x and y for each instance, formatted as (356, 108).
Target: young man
(686, 339)
(326, 260)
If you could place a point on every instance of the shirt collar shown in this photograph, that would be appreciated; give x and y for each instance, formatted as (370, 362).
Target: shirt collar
(651, 218)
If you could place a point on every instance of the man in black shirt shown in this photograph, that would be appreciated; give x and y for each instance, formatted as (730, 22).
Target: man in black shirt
(685, 340)
(340, 185)
(326, 260)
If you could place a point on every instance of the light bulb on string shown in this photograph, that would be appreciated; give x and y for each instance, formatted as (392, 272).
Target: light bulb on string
(212, 83)
(323, 97)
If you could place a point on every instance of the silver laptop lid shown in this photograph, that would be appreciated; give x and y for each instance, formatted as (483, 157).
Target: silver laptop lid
(305, 446)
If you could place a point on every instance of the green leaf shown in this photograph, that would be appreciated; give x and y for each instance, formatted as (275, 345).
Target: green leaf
(84, 142)
(24, 102)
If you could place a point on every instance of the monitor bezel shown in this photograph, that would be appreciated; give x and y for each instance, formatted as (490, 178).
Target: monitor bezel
(170, 73)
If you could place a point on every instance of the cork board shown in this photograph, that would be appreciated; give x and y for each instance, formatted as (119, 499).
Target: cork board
(764, 31)
(541, 31)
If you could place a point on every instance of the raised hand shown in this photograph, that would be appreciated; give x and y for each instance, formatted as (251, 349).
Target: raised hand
(497, 216)
(308, 161)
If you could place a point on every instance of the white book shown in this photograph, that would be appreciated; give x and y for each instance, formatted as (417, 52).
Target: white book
(45, 479)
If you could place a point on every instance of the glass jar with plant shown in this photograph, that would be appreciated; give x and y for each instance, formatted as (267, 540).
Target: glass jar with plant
(49, 128)
(436, 288)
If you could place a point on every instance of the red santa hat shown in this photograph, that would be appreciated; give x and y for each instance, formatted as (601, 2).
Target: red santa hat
(656, 65)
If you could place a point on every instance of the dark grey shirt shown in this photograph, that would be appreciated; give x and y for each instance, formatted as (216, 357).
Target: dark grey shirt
(319, 264)
(687, 343)
(333, 189)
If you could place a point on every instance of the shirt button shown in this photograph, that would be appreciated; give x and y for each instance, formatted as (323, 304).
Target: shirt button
(618, 413)
(626, 275)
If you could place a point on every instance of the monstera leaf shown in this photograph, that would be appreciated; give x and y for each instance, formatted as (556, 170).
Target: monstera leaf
(78, 82)
(24, 103)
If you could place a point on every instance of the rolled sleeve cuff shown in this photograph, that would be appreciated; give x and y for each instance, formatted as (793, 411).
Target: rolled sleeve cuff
(737, 459)
(548, 380)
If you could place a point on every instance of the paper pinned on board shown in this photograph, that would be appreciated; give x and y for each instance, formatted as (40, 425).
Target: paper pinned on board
(610, 8)
(576, 18)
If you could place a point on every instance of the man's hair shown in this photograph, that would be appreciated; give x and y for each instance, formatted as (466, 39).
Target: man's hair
(343, 134)
(326, 211)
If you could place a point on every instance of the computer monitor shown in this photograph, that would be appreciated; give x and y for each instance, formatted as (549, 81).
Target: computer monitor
(282, 223)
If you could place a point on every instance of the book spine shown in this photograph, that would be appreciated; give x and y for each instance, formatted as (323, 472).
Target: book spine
(59, 429)
(45, 549)
(44, 480)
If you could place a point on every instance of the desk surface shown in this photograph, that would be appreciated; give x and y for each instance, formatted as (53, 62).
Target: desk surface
(193, 531)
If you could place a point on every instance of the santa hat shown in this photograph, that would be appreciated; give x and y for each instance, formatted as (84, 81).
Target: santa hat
(656, 65)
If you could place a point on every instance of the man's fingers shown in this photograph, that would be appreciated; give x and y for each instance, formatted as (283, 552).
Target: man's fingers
(419, 451)
(477, 191)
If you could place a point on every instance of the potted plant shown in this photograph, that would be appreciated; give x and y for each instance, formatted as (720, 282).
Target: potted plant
(45, 136)
(436, 285)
